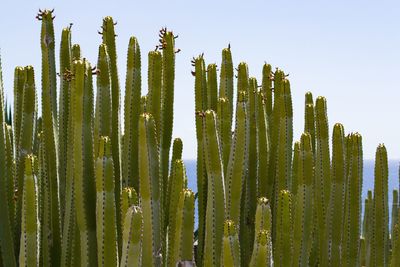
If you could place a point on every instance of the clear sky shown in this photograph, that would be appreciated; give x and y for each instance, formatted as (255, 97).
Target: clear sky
(348, 51)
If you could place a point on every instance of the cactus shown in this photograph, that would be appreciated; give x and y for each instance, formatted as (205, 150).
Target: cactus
(132, 238)
(50, 133)
(380, 231)
(149, 183)
(28, 253)
(6, 236)
(303, 206)
(106, 220)
(336, 209)
(183, 229)
(238, 161)
(230, 255)
(131, 113)
(262, 250)
(216, 192)
(283, 245)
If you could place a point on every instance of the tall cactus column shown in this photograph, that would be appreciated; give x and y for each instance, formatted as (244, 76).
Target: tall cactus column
(52, 231)
(216, 192)
(6, 235)
(149, 183)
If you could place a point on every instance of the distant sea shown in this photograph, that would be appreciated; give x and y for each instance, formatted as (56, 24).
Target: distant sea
(368, 178)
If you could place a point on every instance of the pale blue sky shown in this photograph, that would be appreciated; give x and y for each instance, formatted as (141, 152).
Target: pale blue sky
(348, 51)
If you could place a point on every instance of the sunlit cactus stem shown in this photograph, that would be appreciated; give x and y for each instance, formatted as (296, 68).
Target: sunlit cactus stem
(303, 206)
(230, 255)
(335, 215)
(216, 192)
(236, 170)
(6, 233)
(132, 238)
(262, 251)
(380, 210)
(131, 115)
(106, 228)
(154, 80)
(149, 184)
(83, 160)
(50, 138)
(184, 224)
(283, 245)
(29, 246)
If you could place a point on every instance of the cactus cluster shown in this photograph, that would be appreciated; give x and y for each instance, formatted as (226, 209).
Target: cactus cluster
(77, 190)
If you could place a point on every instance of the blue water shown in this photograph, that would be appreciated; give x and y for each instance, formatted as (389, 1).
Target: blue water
(368, 178)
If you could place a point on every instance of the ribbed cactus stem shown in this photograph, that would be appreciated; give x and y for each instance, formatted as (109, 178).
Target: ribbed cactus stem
(64, 114)
(283, 245)
(29, 246)
(353, 209)
(267, 89)
(201, 174)
(50, 137)
(108, 36)
(230, 255)
(27, 125)
(238, 161)
(380, 211)
(303, 207)
(83, 160)
(309, 118)
(263, 220)
(337, 205)
(322, 177)
(132, 238)
(106, 228)
(262, 251)
(212, 87)
(19, 82)
(184, 224)
(178, 183)
(154, 80)
(264, 183)
(149, 184)
(129, 197)
(103, 116)
(6, 234)
(395, 211)
(131, 113)
(395, 257)
(225, 104)
(216, 192)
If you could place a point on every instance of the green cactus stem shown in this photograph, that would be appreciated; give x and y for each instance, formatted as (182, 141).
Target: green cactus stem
(103, 116)
(322, 177)
(225, 105)
(178, 183)
(29, 253)
(154, 80)
(108, 36)
(262, 251)
(230, 255)
(6, 236)
(106, 228)
(84, 181)
(64, 113)
(50, 135)
(201, 174)
(216, 192)
(132, 238)
(212, 87)
(309, 118)
(264, 183)
(336, 209)
(184, 223)
(380, 211)
(149, 183)
(129, 197)
(131, 113)
(19, 82)
(283, 245)
(303, 207)
(238, 161)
